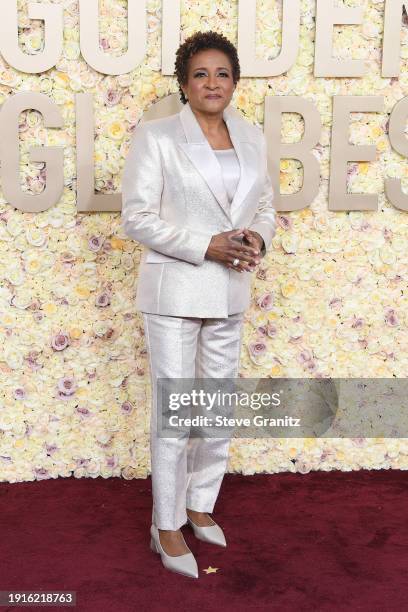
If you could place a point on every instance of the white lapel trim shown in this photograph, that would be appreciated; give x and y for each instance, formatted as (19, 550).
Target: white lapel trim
(201, 154)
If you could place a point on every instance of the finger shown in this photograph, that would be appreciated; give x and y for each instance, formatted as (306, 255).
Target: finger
(250, 265)
(251, 238)
(246, 259)
(242, 255)
(236, 232)
(253, 244)
(247, 268)
(241, 268)
(237, 268)
(232, 267)
(243, 248)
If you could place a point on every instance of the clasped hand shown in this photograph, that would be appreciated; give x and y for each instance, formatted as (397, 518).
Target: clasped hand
(227, 246)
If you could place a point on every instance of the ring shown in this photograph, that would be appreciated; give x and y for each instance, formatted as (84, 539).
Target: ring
(235, 262)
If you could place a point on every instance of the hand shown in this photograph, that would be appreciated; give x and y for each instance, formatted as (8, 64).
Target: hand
(227, 246)
(254, 239)
(251, 236)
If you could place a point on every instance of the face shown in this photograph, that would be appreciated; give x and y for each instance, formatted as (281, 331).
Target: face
(209, 73)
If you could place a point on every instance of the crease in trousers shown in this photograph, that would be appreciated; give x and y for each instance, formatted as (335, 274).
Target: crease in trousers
(188, 472)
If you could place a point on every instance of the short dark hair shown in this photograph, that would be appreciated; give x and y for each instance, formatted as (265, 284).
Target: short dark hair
(198, 42)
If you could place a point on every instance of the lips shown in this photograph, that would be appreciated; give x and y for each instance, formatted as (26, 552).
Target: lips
(213, 97)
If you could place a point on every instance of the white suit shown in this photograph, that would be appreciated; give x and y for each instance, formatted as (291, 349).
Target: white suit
(173, 201)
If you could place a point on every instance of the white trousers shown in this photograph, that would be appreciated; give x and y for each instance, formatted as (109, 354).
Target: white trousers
(187, 473)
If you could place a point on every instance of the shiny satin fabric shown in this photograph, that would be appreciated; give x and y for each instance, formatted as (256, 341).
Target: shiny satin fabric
(174, 200)
(230, 169)
(188, 472)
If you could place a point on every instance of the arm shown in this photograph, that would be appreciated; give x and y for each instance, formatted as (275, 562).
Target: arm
(142, 187)
(264, 221)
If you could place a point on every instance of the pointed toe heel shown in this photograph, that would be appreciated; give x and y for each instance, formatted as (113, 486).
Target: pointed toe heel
(182, 564)
(211, 533)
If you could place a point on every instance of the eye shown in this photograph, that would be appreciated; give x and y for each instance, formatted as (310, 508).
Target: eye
(221, 73)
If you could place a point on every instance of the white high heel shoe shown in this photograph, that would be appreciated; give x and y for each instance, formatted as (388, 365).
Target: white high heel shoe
(210, 533)
(182, 564)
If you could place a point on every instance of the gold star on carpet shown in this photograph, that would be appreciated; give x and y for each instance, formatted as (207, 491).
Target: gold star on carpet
(211, 570)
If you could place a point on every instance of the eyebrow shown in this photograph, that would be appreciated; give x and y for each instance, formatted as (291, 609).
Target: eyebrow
(219, 68)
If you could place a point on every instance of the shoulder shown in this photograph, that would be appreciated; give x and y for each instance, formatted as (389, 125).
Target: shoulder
(158, 127)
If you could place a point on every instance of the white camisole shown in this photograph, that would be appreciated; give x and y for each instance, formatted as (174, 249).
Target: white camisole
(230, 168)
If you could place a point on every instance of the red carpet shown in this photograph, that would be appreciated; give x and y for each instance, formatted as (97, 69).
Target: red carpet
(321, 541)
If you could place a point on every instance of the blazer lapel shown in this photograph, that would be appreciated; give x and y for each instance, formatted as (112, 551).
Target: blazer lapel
(201, 154)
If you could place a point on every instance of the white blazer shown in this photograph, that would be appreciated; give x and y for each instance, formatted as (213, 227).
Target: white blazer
(174, 200)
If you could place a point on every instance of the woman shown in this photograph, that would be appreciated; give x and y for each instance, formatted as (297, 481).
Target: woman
(197, 194)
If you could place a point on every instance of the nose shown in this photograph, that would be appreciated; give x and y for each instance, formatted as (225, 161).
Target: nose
(212, 81)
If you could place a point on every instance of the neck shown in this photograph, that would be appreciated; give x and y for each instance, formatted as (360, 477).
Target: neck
(210, 123)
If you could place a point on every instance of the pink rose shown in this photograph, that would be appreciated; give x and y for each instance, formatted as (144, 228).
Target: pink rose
(265, 301)
(391, 318)
(256, 349)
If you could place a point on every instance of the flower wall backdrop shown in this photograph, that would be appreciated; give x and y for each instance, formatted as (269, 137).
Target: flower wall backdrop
(329, 299)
